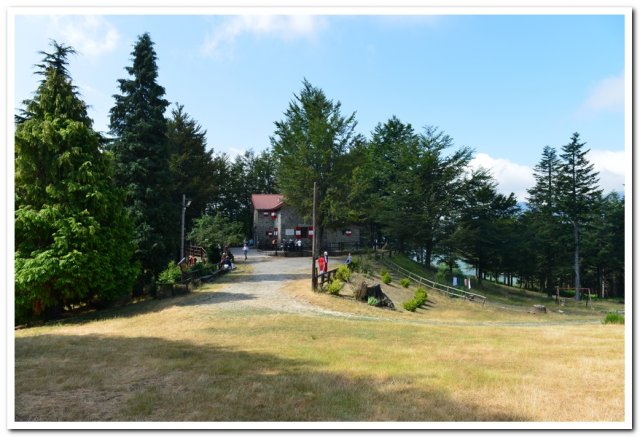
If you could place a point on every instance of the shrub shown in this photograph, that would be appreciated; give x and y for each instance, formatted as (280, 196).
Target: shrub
(373, 301)
(421, 295)
(384, 271)
(405, 282)
(171, 274)
(419, 298)
(410, 305)
(386, 278)
(614, 318)
(343, 273)
(335, 286)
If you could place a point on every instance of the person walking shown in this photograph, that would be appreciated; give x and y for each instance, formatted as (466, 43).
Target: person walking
(326, 261)
(245, 249)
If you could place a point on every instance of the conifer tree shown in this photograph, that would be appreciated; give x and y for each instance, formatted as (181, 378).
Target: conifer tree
(577, 194)
(73, 237)
(543, 205)
(194, 170)
(142, 160)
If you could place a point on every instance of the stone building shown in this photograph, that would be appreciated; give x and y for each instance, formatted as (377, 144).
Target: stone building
(274, 220)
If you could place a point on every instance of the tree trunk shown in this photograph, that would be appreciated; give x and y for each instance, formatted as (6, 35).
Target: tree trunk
(576, 259)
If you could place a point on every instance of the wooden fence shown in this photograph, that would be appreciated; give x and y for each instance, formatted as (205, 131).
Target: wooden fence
(445, 289)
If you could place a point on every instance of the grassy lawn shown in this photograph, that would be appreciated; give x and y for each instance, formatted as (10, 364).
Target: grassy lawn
(181, 360)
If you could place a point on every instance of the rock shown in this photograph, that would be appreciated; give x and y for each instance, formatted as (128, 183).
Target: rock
(538, 309)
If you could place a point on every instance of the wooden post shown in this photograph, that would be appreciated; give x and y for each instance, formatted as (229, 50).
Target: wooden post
(314, 278)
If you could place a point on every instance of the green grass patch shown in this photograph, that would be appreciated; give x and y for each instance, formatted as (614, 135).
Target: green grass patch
(614, 318)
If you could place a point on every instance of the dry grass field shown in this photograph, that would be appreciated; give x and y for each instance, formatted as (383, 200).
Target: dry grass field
(224, 354)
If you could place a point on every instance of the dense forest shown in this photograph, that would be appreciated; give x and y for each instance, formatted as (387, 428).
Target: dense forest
(98, 216)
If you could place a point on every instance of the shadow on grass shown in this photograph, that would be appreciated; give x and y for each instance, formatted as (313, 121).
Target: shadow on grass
(98, 378)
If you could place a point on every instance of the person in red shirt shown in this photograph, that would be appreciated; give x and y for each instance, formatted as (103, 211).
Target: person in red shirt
(321, 265)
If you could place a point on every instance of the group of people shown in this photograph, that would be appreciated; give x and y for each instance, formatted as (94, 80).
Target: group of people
(323, 262)
(227, 260)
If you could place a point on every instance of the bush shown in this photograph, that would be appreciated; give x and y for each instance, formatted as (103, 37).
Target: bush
(386, 278)
(419, 298)
(335, 287)
(405, 282)
(614, 318)
(421, 295)
(171, 274)
(343, 273)
(384, 271)
(373, 301)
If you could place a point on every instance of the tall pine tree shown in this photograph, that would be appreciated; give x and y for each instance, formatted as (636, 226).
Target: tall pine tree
(577, 195)
(73, 237)
(543, 208)
(142, 160)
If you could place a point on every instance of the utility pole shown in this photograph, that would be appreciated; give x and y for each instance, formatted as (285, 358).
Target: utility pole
(185, 204)
(314, 278)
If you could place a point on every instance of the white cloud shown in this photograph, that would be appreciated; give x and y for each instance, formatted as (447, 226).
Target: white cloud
(285, 27)
(606, 95)
(611, 166)
(516, 178)
(89, 35)
(511, 177)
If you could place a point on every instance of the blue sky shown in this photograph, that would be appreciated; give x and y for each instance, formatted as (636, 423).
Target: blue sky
(505, 85)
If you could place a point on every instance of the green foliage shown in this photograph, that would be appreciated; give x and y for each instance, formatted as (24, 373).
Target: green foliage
(171, 274)
(343, 273)
(419, 299)
(312, 144)
(213, 231)
(614, 318)
(373, 301)
(384, 271)
(142, 159)
(405, 282)
(386, 278)
(335, 286)
(194, 171)
(73, 238)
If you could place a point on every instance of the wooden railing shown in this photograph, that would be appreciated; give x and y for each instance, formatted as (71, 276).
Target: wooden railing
(445, 289)
(326, 276)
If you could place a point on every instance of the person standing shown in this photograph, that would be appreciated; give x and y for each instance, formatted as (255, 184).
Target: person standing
(326, 261)
(321, 265)
(245, 249)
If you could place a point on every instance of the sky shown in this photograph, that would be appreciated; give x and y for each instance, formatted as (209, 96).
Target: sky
(505, 84)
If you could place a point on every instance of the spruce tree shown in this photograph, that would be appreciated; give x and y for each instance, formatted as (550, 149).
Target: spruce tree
(194, 170)
(73, 237)
(577, 195)
(142, 160)
(543, 207)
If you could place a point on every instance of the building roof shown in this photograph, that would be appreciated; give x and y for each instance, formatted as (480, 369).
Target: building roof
(267, 201)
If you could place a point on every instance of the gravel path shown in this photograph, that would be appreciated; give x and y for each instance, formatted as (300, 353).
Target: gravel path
(262, 287)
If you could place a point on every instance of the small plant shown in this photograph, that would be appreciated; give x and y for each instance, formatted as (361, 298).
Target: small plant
(614, 318)
(384, 271)
(405, 282)
(419, 298)
(410, 305)
(373, 301)
(171, 274)
(386, 278)
(335, 287)
(343, 273)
